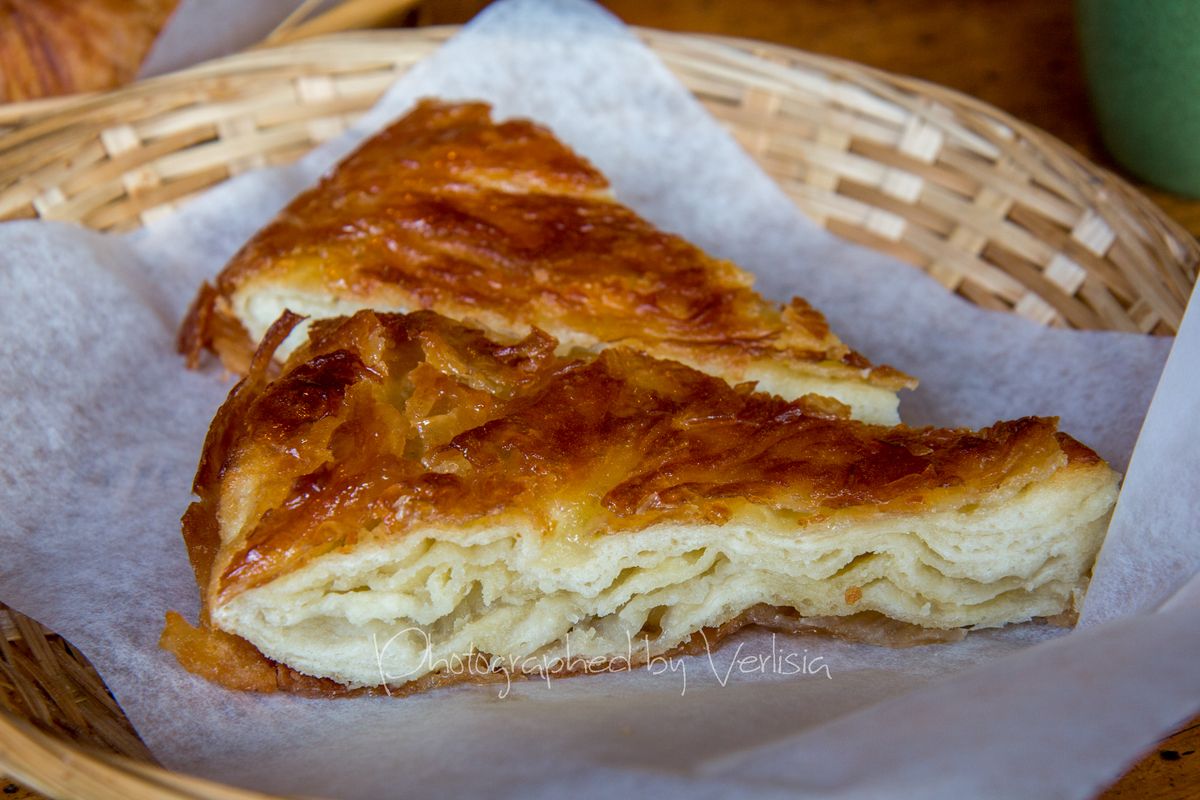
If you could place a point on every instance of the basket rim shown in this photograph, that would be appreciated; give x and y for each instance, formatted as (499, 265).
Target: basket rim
(74, 770)
(36, 118)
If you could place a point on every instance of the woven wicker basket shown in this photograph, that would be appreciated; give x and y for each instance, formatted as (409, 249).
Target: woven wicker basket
(996, 210)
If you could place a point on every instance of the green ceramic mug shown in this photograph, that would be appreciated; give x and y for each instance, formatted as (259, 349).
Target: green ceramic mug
(1142, 59)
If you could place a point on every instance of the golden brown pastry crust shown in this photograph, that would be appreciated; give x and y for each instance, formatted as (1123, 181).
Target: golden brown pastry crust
(386, 422)
(54, 47)
(502, 224)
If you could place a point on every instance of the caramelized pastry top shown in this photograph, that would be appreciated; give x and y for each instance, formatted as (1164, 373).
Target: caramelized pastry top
(386, 422)
(503, 224)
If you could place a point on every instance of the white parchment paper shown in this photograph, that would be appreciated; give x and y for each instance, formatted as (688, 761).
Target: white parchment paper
(202, 29)
(102, 428)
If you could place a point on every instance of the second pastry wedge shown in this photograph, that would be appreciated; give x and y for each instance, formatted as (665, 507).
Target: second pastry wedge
(500, 224)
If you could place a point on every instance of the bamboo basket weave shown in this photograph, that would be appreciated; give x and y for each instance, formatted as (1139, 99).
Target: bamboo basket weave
(993, 209)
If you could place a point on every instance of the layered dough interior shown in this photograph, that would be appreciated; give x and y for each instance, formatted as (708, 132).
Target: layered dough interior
(402, 608)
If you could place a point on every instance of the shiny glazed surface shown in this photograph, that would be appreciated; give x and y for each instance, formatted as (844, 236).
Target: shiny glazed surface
(502, 223)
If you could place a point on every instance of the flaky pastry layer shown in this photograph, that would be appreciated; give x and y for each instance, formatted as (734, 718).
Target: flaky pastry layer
(502, 225)
(408, 491)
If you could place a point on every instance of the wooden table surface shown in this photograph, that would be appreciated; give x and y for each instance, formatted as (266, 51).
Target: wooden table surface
(1020, 55)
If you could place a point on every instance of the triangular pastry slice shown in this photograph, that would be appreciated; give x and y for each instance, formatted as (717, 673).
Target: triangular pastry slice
(502, 225)
(409, 495)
